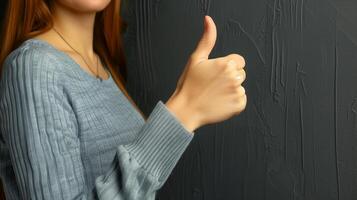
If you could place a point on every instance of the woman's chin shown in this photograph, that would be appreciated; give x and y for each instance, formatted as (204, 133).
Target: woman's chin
(85, 5)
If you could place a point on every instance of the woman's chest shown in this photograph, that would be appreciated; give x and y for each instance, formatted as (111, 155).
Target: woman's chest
(105, 118)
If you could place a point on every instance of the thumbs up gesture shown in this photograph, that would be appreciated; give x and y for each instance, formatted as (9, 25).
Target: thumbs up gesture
(209, 90)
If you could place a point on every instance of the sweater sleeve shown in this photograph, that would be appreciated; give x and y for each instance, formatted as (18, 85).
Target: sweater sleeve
(35, 120)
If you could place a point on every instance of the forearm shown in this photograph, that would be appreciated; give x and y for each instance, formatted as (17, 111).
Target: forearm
(180, 107)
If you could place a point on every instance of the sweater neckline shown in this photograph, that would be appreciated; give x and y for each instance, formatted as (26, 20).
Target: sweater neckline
(71, 60)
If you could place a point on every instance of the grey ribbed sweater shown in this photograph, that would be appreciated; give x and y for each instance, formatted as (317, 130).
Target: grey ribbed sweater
(66, 135)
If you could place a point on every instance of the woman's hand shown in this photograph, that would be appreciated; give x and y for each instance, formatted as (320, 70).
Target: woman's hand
(209, 90)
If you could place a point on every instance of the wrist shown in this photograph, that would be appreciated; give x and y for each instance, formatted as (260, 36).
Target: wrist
(179, 105)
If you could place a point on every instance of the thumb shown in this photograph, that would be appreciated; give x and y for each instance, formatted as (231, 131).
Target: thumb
(207, 41)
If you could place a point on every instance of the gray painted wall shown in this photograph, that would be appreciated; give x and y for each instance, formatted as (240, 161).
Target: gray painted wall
(297, 137)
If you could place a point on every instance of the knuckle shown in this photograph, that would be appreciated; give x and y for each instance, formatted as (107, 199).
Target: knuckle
(233, 74)
(240, 91)
(239, 59)
(230, 65)
(233, 55)
(233, 84)
(242, 102)
(222, 63)
(242, 73)
(242, 60)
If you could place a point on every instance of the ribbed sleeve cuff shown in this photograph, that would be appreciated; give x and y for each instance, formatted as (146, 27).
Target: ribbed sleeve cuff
(160, 143)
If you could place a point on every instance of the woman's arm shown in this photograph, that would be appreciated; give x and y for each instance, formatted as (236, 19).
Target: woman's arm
(146, 163)
(41, 130)
(39, 127)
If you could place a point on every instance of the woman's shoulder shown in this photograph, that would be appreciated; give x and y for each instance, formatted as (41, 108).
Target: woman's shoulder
(32, 55)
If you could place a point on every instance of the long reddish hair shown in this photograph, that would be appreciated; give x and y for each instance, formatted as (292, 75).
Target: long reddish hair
(27, 18)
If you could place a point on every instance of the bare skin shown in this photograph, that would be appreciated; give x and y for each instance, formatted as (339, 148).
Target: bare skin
(75, 21)
(208, 90)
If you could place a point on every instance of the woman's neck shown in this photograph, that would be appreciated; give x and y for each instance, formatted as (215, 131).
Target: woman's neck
(76, 27)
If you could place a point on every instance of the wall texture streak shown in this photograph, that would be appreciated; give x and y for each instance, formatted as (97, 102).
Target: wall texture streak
(297, 139)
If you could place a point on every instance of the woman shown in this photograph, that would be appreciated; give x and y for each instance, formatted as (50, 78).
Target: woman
(69, 129)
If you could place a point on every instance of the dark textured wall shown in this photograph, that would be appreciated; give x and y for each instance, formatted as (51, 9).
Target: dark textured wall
(297, 139)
